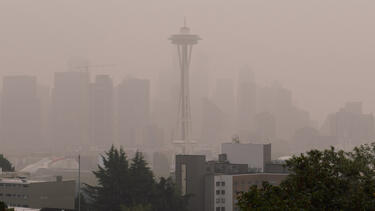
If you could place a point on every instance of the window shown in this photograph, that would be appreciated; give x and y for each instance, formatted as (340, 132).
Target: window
(222, 200)
(222, 183)
(1, 184)
(25, 186)
(223, 209)
(1, 194)
(217, 208)
(217, 192)
(217, 201)
(217, 184)
(222, 192)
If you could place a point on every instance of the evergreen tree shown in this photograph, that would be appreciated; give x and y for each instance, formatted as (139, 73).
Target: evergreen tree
(5, 165)
(123, 187)
(167, 198)
(113, 182)
(142, 180)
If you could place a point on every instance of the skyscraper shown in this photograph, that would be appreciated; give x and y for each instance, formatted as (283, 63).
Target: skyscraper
(101, 112)
(133, 104)
(20, 114)
(246, 101)
(70, 110)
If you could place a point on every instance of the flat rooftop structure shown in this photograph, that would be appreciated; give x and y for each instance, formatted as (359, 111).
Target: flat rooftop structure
(24, 193)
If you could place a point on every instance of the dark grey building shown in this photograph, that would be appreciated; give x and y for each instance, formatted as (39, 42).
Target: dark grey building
(194, 174)
(190, 172)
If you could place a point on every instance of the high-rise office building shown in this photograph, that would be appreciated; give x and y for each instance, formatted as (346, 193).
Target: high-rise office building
(278, 101)
(350, 125)
(246, 101)
(70, 110)
(213, 123)
(133, 104)
(20, 113)
(101, 112)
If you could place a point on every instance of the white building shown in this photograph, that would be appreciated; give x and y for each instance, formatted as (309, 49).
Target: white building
(221, 191)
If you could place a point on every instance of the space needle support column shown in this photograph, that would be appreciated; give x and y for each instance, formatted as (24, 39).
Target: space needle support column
(184, 42)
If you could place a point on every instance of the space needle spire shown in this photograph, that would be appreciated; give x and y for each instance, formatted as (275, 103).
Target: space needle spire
(184, 42)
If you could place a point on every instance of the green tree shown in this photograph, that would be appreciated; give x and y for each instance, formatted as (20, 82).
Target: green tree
(142, 180)
(167, 198)
(131, 188)
(3, 206)
(113, 182)
(139, 207)
(5, 165)
(320, 180)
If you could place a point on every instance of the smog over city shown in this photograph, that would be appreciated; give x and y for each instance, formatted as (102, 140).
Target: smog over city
(194, 105)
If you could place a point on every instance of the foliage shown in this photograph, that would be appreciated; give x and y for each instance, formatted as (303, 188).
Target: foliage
(5, 165)
(3, 206)
(83, 202)
(166, 197)
(131, 187)
(137, 208)
(320, 180)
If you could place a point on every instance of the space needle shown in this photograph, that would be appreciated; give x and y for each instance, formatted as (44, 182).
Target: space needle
(184, 42)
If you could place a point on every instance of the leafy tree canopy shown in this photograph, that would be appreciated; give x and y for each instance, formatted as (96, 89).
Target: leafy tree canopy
(320, 180)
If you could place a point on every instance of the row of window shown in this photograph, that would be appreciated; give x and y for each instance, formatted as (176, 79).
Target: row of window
(220, 200)
(23, 196)
(218, 192)
(220, 208)
(220, 184)
(14, 185)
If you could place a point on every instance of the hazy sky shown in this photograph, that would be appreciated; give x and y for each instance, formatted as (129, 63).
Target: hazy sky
(323, 50)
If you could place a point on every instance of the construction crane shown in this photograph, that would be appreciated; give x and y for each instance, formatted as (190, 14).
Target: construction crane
(87, 68)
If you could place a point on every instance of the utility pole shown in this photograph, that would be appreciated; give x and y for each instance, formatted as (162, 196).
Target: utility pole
(79, 182)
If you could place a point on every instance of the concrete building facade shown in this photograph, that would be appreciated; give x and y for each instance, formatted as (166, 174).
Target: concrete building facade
(20, 192)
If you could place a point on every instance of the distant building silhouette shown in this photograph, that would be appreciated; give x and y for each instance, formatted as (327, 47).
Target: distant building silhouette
(213, 129)
(350, 125)
(133, 110)
(102, 112)
(20, 114)
(246, 101)
(277, 100)
(265, 126)
(224, 97)
(70, 110)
